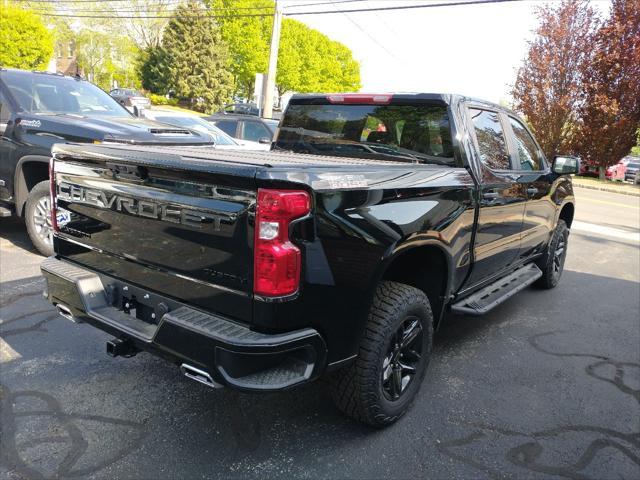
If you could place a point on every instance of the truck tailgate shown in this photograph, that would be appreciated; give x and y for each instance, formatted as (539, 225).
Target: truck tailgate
(160, 221)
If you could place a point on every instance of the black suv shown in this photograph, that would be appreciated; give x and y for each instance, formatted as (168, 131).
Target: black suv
(39, 109)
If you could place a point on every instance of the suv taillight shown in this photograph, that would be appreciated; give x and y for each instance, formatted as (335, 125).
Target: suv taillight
(277, 261)
(52, 199)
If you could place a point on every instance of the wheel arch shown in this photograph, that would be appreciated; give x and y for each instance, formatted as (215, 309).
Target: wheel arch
(30, 170)
(566, 213)
(426, 265)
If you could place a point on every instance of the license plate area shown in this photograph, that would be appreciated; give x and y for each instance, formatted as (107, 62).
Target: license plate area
(136, 302)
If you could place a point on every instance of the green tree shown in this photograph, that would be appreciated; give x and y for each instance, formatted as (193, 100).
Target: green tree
(308, 60)
(26, 41)
(197, 59)
(106, 58)
(636, 150)
(147, 23)
(152, 69)
(247, 37)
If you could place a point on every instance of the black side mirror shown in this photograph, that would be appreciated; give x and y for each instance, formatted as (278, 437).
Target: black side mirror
(264, 140)
(565, 165)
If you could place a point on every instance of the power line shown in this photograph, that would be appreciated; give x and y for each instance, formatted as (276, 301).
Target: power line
(80, 1)
(321, 12)
(373, 39)
(149, 8)
(153, 8)
(323, 3)
(404, 7)
(149, 17)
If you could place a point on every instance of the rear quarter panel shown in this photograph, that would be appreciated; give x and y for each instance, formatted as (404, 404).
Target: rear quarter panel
(361, 221)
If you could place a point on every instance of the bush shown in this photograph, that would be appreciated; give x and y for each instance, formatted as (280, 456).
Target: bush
(162, 100)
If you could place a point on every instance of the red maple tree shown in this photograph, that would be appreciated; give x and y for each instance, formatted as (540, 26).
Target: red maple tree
(548, 87)
(609, 111)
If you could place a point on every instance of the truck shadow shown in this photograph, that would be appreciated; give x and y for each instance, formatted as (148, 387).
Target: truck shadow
(13, 230)
(146, 420)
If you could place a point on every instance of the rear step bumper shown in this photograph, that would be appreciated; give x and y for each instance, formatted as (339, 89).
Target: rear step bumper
(219, 350)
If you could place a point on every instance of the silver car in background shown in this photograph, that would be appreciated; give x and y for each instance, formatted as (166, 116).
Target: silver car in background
(131, 99)
(199, 124)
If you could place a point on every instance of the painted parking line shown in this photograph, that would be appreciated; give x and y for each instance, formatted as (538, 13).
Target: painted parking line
(599, 230)
(606, 202)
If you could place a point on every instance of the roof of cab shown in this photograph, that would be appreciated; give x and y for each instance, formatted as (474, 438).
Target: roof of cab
(368, 98)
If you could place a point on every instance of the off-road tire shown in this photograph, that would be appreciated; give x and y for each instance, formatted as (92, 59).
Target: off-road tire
(33, 209)
(550, 277)
(357, 390)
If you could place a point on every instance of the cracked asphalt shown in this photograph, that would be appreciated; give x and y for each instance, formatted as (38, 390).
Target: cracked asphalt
(545, 386)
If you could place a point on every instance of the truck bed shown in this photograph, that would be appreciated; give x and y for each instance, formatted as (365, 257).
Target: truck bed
(200, 158)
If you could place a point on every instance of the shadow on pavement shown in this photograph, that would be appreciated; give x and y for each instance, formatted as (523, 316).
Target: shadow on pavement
(68, 410)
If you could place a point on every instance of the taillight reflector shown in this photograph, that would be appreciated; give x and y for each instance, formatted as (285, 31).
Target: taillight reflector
(277, 261)
(52, 195)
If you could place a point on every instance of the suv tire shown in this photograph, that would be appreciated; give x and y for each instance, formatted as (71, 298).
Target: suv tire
(382, 383)
(552, 262)
(37, 217)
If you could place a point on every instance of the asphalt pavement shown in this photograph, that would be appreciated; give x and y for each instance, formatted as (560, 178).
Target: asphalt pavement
(547, 385)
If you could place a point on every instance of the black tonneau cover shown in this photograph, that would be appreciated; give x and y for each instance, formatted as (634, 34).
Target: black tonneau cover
(200, 158)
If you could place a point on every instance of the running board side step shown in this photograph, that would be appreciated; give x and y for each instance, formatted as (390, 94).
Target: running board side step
(499, 291)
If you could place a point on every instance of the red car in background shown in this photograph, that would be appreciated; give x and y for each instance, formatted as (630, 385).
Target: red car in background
(617, 171)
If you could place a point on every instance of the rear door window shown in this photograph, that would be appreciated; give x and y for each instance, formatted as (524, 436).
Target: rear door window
(528, 152)
(492, 145)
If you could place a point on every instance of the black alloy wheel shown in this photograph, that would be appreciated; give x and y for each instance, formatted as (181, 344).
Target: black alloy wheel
(402, 359)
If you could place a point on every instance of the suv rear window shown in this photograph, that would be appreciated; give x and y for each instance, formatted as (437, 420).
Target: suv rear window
(410, 133)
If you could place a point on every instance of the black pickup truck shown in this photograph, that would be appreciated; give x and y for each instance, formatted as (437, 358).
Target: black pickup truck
(338, 253)
(39, 109)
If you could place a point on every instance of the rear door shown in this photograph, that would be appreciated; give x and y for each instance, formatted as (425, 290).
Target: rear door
(7, 148)
(502, 199)
(175, 230)
(535, 178)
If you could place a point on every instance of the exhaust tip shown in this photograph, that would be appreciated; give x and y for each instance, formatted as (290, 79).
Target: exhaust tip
(65, 312)
(198, 375)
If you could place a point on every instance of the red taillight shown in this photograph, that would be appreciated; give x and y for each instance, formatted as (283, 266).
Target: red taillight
(276, 263)
(52, 195)
(361, 98)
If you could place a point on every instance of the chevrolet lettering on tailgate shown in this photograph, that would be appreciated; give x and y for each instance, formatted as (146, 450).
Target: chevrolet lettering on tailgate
(141, 208)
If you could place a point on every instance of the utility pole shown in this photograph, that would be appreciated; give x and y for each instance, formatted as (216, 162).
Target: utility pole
(270, 80)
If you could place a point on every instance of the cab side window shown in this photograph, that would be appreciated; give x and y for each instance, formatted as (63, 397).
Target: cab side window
(491, 139)
(528, 152)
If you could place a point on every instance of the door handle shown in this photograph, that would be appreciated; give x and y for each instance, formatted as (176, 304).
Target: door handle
(490, 195)
(532, 191)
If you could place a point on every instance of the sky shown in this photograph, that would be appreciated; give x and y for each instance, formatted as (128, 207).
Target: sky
(472, 50)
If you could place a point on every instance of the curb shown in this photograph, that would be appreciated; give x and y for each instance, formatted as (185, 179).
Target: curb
(608, 189)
